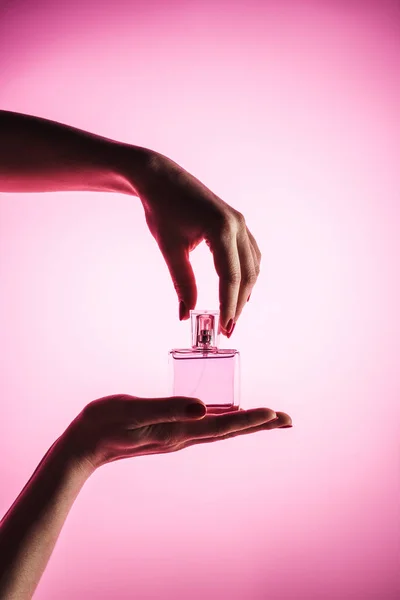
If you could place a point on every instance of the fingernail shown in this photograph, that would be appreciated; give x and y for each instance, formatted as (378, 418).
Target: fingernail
(248, 298)
(285, 426)
(182, 310)
(230, 326)
(195, 410)
(232, 330)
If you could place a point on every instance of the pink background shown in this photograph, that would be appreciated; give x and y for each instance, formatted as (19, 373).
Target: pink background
(290, 112)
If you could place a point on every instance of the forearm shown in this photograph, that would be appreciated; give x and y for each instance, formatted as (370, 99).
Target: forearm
(38, 155)
(30, 529)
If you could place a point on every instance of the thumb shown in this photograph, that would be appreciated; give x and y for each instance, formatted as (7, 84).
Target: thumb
(183, 278)
(149, 411)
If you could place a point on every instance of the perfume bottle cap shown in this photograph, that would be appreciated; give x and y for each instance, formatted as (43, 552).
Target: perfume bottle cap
(205, 329)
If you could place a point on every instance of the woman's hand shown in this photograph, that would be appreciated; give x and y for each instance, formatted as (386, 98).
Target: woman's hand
(123, 426)
(106, 430)
(38, 155)
(181, 212)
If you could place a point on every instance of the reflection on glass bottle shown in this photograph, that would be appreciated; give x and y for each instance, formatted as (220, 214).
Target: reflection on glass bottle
(206, 371)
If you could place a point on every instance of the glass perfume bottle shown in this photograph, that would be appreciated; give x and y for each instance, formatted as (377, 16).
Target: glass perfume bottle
(206, 371)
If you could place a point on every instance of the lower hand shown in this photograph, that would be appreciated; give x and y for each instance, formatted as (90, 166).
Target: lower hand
(123, 426)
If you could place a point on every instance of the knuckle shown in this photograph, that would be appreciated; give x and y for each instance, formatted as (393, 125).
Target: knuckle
(241, 221)
(271, 415)
(183, 286)
(230, 220)
(233, 222)
(232, 278)
(250, 278)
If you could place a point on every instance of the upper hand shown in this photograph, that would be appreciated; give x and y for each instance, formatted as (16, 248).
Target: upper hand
(181, 212)
(123, 426)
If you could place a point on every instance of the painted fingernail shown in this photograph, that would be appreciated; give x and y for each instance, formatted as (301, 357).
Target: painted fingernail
(182, 310)
(196, 410)
(230, 326)
(248, 298)
(285, 426)
(232, 330)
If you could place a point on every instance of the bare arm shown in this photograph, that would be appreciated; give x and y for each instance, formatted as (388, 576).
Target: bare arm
(29, 530)
(38, 155)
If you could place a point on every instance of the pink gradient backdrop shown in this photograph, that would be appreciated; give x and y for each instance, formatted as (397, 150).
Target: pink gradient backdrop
(289, 111)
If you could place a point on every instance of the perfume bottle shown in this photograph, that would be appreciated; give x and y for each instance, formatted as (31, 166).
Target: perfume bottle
(206, 371)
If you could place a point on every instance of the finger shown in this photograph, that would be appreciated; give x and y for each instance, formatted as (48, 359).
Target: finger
(248, 273)
(256, 265)
(177, 259)
(138, 412)
(254, 245)
(227, 265)
(170, 437)
(256, 254)
(217, 425)
(282, 421)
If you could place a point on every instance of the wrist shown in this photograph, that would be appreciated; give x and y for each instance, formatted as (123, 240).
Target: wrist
(69, 453)
(127, 166)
